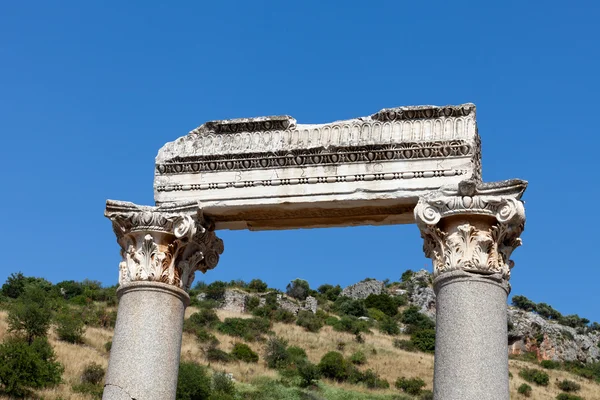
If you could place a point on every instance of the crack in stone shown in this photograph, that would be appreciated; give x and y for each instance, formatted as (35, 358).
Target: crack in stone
(119, 387)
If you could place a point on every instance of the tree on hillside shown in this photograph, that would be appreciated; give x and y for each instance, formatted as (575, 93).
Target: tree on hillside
(30, 314)
(523, 303)
(14, 285)
(546, 311)
(257, 285)
(298, 289)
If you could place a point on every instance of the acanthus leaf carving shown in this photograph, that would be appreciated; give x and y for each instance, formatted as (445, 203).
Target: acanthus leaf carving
(162, 246)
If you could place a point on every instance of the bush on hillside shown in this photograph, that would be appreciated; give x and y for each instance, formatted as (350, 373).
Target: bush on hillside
(383, 302)
(525, 390)
(30, 315)
(549, 364)
(426, 395)
(389, 326)
(406, 275)
(523, 303)
(91, 381)
(285, 316)
(347, 306)
(243, 352)
(536, 376)
(193, 382)
(358, 358)
(298, 289)
(256, 285)
(373, 381)
(25, 366)
(69, 326)
(213, 353)
(309, 374)
(222, 385)
(296, 354)
(215, 291)
(309, 321)
(351, 325)
(412, 386)
(251, 303)
(276, 354)
(568, 386)
(567, 396)
(406, 345)
(424, 340)
(415, 320)
(250, 329)
(330, 292)
(333, 366)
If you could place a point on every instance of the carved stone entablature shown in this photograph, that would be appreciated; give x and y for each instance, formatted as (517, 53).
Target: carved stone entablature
(163, 244)
(491, 218)
(242, 168)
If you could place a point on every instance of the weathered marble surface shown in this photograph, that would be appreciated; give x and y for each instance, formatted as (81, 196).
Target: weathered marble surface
(272, 173)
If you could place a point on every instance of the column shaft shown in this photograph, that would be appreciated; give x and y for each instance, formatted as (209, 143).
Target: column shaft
(471, 350)
(144, 357)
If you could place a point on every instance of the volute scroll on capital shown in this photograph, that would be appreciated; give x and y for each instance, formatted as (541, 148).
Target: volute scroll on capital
(473, 244)
(165, 244)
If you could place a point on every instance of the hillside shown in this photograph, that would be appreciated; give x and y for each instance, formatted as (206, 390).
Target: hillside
(388, 356)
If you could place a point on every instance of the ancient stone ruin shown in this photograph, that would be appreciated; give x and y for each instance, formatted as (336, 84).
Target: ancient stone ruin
(398, 166)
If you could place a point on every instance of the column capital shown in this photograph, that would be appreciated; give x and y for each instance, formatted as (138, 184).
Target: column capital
(472, 227)
(168, 243)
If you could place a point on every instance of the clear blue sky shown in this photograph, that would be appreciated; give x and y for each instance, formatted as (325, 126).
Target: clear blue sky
(89, 91)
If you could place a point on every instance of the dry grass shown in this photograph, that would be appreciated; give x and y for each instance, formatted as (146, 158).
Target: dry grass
(382, 357)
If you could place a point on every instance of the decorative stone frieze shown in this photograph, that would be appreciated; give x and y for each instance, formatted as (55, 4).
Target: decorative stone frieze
(163, 244)
(472, 227)
(272, 172)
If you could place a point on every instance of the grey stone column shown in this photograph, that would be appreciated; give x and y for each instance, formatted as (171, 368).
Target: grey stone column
(162, 247)
(469, 233)
(144, 357)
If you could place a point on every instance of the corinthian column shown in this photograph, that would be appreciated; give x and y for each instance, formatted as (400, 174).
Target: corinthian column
(162, 247)
(469, 232)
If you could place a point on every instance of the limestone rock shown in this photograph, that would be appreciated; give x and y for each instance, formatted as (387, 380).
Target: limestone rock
(528, 332)
(421, 294)
(234, 300)
(362, 290)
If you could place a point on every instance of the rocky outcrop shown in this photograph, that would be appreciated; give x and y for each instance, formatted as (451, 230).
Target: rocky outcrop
(235, 300)
(421, 293)
(528, 332)
(362, 290)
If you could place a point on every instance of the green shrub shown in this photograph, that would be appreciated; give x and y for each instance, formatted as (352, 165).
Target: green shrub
(215, 291)
(285, 316)
(523, 303)
(108, 345)
(415, 320)
(309, 321)
(91, 381)
(30, 314)
(406, 345)
(383, 302)
(25, 366)
(69, 326)
(567, 396)
(222, 384)
(426, 395)
(549, 364)
(333, 366)
(309, 374)
(389, 326)
(14, 285)
(412, 386)
(213, 353)
(257, 285)
(347, 306)
(331, 321)
(204, 318)
(568, 386)
(276, 354)
(351, 324)
(331, 292)
(536, 376)
(376, 314)
(263, 312)
(424, 340)
(407, 275)
(204, 336)
(298, 289)
(372, 381)
(193, 382)
(251, 303)
(92, 373)
(296, 354)
(525, 390)
(249, 329)
(243, 352)
(358, 358)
